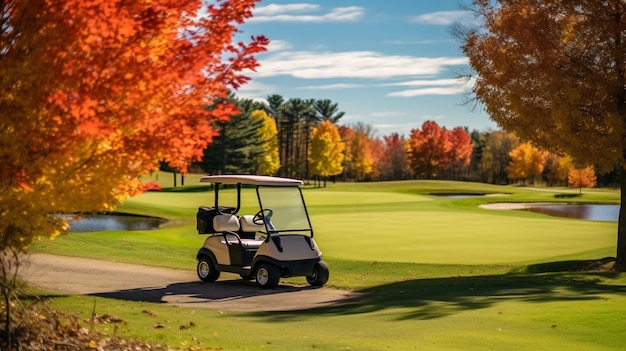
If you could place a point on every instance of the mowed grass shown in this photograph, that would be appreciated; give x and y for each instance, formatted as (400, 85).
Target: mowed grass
(435, 273)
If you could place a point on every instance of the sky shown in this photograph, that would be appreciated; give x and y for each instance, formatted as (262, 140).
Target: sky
(391, 64)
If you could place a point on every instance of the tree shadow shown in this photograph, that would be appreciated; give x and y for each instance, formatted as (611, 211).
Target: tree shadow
(426, 299)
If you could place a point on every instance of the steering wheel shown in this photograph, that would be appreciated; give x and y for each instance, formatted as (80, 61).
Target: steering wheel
(260, 217)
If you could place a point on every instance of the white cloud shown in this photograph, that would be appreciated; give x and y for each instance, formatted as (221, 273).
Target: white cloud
(452, 90)
(278, 45)
(293, 13)
(352, 64)
(434, 82)
(333, 86)
(449, 86)
(255, 90)
(275, 9)
(443, 18)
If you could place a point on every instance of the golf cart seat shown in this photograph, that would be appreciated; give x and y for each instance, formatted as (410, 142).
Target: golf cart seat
(228, 224)
(248, 225)
(225, 223)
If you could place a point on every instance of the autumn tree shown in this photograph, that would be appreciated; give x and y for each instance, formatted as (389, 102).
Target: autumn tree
(526, 162)
(429, 150)
(460, 152)
(326, 151)
(269, 160)
(553, 73)
(393, 163)
(97, 92)
(359, 160)
(556, 168)
(581, 178)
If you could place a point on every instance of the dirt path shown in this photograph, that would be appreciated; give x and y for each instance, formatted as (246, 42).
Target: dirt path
(178, 287)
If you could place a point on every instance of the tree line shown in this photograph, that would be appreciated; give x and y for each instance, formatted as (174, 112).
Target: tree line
(304, 138)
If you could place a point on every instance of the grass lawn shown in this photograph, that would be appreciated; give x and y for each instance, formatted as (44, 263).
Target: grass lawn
(438, 273)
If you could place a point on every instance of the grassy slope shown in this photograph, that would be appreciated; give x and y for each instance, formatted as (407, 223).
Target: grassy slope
(440, 274)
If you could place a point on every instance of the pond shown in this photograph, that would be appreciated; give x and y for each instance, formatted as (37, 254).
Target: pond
(113, 221)
(592, 212)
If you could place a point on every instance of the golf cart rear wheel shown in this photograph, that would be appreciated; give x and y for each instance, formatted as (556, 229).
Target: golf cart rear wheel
(320, 274)
(206, 270)
(267, 276)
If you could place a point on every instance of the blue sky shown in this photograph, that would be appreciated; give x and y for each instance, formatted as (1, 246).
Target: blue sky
(391, 64)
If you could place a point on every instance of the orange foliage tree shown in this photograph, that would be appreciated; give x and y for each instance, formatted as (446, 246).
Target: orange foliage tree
(429, 150)
(96, 92)
(393, 163)
(461, 148)
(552, 72)
(359, 160)
(582, 178)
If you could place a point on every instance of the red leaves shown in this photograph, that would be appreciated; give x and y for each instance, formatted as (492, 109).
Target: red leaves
(98, 91)
(433, 149)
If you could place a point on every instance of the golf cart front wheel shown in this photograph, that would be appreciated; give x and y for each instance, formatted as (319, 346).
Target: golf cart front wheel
(206, 270)
(320, 274)
(267, 276)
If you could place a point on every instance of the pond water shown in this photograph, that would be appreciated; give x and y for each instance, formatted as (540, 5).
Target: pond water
(113, 221)
(592, 212)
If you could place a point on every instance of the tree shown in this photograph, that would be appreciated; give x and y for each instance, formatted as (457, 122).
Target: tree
(295, 120)
(553, 73)
(497, 146)
(429, 150)
(95, 93)
(461, 148)
(556, 168)
(269, 161)
(238, 146)
(393, 164)
(582, 178)
(526, 162)
(326, 110)
(359, 161)
(326, 152)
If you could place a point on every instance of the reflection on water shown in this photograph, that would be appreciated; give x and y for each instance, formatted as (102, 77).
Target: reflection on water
(580, 211)
(113, 221)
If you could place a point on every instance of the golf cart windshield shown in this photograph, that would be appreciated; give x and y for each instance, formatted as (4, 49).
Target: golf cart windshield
(289, 214)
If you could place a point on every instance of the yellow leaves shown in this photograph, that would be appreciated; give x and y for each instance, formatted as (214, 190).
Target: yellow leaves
(526, 161)
(326, 152)
(269, 162)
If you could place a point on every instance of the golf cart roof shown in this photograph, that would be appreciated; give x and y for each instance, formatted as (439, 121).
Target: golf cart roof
(251, 180)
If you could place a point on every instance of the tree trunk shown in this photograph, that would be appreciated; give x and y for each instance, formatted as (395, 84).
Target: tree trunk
(620, 261)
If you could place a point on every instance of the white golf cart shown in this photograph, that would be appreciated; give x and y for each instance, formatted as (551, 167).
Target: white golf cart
(277, 241)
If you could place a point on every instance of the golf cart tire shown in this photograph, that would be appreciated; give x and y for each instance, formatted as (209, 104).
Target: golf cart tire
(320, 275)
(267, 276)
(206, 270)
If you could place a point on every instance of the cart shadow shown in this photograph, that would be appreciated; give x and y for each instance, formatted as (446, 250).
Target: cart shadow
(199, 292)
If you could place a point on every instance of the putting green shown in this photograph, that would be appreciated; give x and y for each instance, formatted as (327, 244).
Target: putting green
(451, 237)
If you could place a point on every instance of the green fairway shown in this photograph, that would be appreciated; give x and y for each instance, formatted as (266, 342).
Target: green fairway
(438, 273)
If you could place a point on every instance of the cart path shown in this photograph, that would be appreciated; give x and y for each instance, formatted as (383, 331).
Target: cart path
(133, 282)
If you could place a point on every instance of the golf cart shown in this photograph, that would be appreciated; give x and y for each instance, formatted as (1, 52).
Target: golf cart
(276, 241)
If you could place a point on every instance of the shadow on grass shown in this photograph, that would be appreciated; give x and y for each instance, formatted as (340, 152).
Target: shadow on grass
(426, 299)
